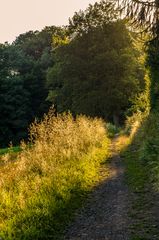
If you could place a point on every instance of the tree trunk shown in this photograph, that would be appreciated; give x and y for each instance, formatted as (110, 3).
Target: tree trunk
(116, 119)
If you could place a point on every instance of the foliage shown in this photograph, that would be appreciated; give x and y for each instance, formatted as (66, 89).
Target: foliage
(97, 73)
(40, 191)
(14, 104)
(36, 51)
(142, 13)
(149, 148)
(141, 102)
(95, 16)
(23, 91)
(152, 64)
(112, 130)
(142, 176)
(133, 123)
(145, 14)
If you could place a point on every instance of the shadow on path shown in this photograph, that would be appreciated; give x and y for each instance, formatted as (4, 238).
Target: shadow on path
(105, 213)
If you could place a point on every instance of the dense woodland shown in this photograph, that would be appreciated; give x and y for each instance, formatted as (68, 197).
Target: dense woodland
(92, 67)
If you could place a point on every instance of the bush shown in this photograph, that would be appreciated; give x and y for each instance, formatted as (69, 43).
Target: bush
(40, 191)
(134, 122)
(112, 130)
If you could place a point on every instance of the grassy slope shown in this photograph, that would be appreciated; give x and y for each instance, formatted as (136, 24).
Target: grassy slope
(57, 205)
(142, 162)
(41, 190)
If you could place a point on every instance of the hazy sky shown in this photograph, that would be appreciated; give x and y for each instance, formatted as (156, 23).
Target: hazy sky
(19, 16)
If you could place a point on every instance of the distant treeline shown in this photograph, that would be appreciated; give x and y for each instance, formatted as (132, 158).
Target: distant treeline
(92, 66)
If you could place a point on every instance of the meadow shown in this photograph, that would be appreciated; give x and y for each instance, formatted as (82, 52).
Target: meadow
(42, 188)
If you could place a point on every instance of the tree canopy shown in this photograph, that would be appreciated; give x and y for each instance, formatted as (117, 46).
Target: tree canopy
(23, 92)
(97, 73)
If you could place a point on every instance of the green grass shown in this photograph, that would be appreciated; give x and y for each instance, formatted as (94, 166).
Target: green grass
(136, 173)
(9, 150)
(42, 189)
(142, 175)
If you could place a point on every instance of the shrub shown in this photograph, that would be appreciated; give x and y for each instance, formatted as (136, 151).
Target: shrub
(134, 122)
(112, 130)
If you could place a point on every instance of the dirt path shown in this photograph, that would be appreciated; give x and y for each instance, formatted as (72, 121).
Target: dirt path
(105, 214)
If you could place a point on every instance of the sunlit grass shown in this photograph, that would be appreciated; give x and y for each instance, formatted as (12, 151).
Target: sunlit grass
(9, 154)
(41, 189)
(141, 158)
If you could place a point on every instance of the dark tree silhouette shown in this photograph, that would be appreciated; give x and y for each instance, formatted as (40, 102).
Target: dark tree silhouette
(142, 13)
(145, 14)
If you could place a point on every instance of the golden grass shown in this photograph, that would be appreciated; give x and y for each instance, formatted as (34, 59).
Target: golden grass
(41, 189)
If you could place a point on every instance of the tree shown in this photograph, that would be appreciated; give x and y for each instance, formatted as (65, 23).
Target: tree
(145, 14)
(14, 102)
(23, 92)
(36, 53)
(97, 73)
(96, 15)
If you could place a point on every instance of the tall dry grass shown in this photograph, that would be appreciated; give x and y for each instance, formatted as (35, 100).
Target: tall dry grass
(40, 191)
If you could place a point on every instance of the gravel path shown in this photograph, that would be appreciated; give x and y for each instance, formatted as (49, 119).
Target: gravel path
(105, 214)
